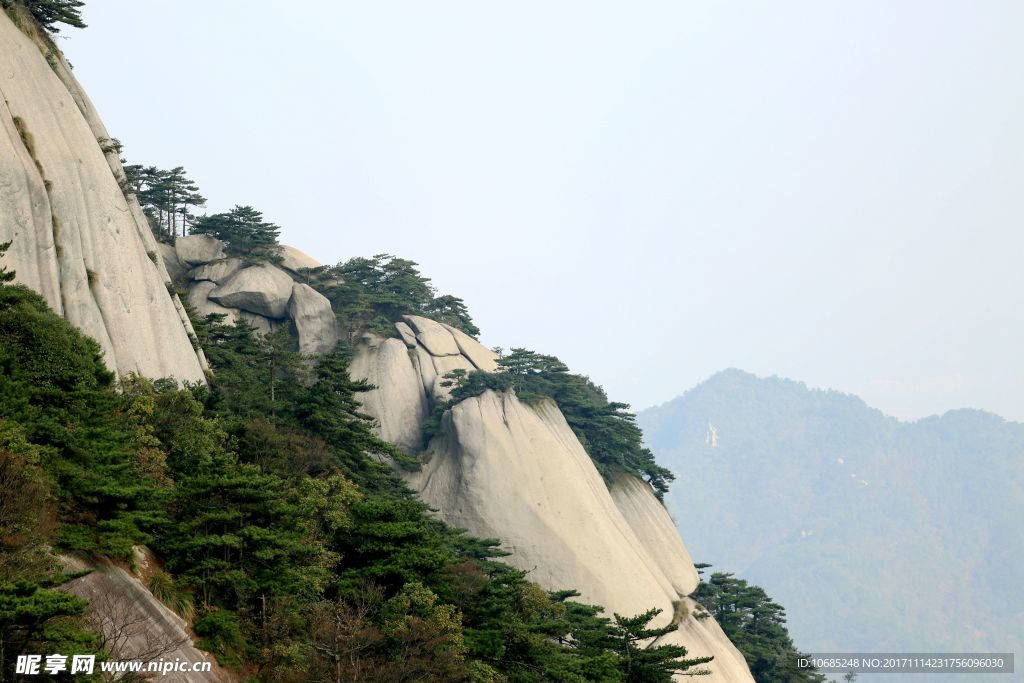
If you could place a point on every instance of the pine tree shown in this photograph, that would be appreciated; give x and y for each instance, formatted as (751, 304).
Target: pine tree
(49, 13)
(643, 662)
(244, 231)
(5, 275)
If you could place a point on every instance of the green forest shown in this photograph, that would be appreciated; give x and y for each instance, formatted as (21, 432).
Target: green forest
(295, 555)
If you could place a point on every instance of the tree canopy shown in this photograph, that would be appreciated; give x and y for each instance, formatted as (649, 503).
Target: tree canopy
(167, 197)
(50, 13)
(606, 429)
(244, 232)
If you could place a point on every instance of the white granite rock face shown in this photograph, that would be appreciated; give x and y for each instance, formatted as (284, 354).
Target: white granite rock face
(216, 271)
(442, 366)
(434, 337)
(398, 403)
(261, 289)
(199, 299)
(176, 270)
(134, 621)
(314, 320)
(261, 324)
(408, 336)
(478, 354)
(651, 523)
(195, 250)
(76, 238)
(295, 260)
(500, 468)
(503, 469)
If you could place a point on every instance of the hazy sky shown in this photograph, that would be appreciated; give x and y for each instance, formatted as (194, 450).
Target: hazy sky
(829, 191)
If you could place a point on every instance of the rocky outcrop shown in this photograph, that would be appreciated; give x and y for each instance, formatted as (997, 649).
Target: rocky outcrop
(134, 624)
(314, 320)
(294, 260)
(261, 295)
(433, 336)
(199, 299)
(650, 521)
(195, 250)
(261, 289)
(399, 402)
(216, 271)
(503, 469)
(76, 238)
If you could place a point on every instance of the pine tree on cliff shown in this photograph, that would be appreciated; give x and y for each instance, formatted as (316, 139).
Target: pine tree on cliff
(243, 230)
(49, 13)
(5, 275)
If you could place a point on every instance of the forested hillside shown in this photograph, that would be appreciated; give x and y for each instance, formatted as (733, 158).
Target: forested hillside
(294, 552)
(877, 535)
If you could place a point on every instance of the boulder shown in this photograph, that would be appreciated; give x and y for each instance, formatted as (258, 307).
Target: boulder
(314, 320)
(442, 366)
(262, 289)
(295, 260)
(75, 237)
(397, 401)
(216, 271)
(261, 324)
(425, 364)
(434, 337)
(176, 270)
(408, 336)
(194, 250)
(199, 299)
(481, 356)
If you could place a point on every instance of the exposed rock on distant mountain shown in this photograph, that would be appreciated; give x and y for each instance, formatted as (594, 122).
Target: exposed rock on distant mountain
(877, 535)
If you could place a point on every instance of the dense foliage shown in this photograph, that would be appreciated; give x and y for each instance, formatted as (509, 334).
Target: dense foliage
(605, 428)
(49, 13)
(756, 625)
(244, 232)
(853, 519)
(371, 294)
(297, 556)
(167, 196)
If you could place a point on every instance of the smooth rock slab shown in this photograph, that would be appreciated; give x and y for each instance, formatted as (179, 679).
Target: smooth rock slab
(216, 271)
(79, 244)
(135, 623)
(295, 260)
(262, 289)
(176, 270)
(194, 250)
(442, 366)
(314, 319)
(398, 402)
(199, 299)
(481, 356)
(261, 324)
(657, 532)
(408, 336)
(434, 337)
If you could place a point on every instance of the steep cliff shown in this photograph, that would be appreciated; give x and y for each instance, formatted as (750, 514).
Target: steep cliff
(76, 239)
(498, 467)
(502, 468)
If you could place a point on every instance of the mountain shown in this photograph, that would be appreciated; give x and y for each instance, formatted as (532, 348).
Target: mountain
(876, 534)
(257, 513)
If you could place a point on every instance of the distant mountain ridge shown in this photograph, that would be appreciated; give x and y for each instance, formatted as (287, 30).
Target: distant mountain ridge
(877, 534)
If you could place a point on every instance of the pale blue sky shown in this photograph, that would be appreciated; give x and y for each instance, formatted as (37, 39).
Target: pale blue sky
(829, 191)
